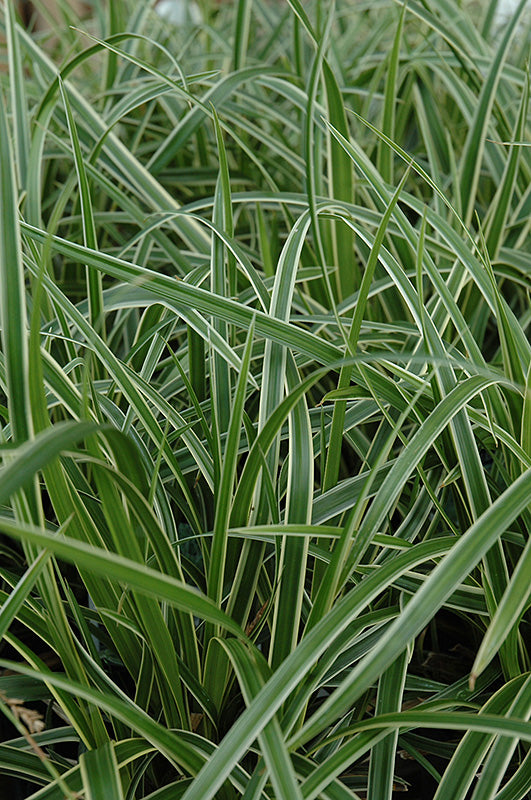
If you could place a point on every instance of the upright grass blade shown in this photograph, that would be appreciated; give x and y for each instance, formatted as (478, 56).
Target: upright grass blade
(525, 431)
(292, 564)
(216, 573)
(341, 187)
(336, 433)
(221, 283)
(252, 675)
(385, 154)
(115, 25)
(242, 24)
(383, 755)
(94, 279)
(12, 294)
(18, 95)
(340, 183)
(100, 774)
(275, 356)
(313, 159)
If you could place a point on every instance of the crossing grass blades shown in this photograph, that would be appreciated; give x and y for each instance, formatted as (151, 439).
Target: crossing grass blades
(266, 403)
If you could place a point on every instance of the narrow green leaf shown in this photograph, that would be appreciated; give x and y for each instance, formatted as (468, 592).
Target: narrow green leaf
(252, 672)
(472, 156)
(182, 295)
(336, 432)
(221, 283)
(17, 85)
(292, 564)
(468, 551)
(509, 610)
(216, 573)
(20, 593)
(242, 24)
(144, 579)
(12, 293)
(383, 755)
(502, 752)
(385, 154)
(94, 279)
(100, 773)
(290, 674)
(501, 203)
(177, 749)
(35, 455)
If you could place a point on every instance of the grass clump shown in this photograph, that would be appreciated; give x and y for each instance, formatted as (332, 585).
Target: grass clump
(266, 410)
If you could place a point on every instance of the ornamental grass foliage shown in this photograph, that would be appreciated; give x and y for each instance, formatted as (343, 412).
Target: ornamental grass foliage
(265, 401)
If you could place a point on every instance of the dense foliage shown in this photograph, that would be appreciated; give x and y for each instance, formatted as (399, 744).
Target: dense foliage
(266, 403)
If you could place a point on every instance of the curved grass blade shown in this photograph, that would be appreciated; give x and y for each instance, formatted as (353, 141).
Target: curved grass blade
(175, 748)
(291, 672)
(473, 747)
(144, 579)
(475, 142)
(36, 454)
(452, 570)
(499, 210)
(501, 753)
(508, 611)
(181, 294)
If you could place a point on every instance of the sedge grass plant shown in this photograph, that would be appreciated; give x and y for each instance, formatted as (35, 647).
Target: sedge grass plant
(266, 403)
